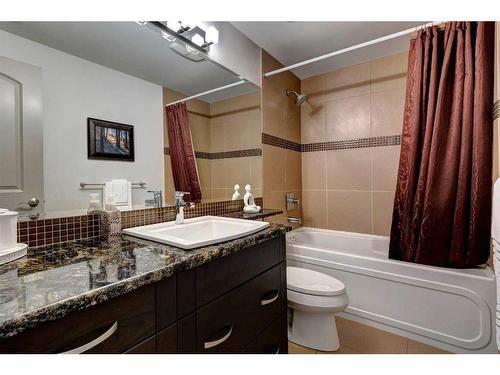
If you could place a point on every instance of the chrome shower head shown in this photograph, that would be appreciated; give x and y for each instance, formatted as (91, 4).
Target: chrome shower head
(300, 98)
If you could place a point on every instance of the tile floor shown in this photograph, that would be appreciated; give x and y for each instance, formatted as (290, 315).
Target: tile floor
(356, 338)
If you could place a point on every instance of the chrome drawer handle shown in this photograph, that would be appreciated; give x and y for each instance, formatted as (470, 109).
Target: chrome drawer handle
(94, 342)
(270, 300)
(211, 344)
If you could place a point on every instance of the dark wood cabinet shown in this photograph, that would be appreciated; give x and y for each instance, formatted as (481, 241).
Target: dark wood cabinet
(232, 321)
(236, 304)
(109, 327)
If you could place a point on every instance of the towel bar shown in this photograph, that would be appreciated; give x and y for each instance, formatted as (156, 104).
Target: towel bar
(85, 184)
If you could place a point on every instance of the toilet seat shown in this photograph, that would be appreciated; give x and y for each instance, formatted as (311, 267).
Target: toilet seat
(311, 282)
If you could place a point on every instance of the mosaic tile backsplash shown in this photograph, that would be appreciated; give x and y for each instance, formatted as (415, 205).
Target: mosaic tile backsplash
(52, 231)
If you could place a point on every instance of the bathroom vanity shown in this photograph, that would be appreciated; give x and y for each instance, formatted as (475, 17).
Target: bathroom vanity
(128, 295)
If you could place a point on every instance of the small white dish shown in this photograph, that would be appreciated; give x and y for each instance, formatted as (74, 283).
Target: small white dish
(16, 252)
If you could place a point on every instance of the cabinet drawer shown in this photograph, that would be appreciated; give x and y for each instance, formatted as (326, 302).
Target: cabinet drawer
(148, 346)
(274, 339)
(220, 276)
(110, 327)
(166, 340)
(232, 321)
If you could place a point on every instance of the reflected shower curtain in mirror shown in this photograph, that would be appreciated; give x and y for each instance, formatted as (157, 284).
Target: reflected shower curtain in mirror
(442, 207)
(182, 156)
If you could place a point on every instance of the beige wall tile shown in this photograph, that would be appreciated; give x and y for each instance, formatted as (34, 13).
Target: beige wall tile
(365, 339)
(314, 170)
(273, 159)
(385, 167)
(237, 172)
(205, 173)
(313, 122)
(389, 72)
(387, 109)
(314, 209)
(235, 104)
(315, 88)
(383, 203)
(253, 123)
(349, 211)
(348, 118)
(219, 194)
(274, 199)
(281, 117)
(293, 174)
(256, 172)
(415, 347)
(169, 178)
(217, 129)
(349, 169)
(219, 174)
(200, 132)
(348, 82)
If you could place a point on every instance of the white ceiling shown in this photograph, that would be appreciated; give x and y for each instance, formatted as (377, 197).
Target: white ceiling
(292, 42)
(131, 49)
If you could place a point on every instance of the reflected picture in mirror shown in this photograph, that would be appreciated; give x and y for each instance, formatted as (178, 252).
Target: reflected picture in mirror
(110, 140)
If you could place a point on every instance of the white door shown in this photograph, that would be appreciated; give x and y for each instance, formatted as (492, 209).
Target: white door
(21, 137)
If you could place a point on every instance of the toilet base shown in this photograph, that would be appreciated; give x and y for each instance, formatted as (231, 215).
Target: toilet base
(314, 330)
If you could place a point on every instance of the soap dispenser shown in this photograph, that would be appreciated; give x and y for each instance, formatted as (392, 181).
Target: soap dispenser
(111, 218)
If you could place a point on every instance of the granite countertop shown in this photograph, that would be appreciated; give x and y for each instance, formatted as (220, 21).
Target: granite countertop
(259, 215)
(52, 281)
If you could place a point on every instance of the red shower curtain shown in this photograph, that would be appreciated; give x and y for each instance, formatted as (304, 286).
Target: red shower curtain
(442, 208)
(182, 155)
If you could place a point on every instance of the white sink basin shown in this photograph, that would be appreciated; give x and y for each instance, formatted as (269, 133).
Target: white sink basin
(197, 232)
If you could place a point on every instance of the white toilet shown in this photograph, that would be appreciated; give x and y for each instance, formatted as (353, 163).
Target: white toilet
(314, 298)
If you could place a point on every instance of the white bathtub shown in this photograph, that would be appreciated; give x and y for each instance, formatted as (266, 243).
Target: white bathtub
(447, 308)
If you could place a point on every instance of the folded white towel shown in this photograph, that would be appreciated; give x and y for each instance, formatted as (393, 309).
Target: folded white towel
(121, 189)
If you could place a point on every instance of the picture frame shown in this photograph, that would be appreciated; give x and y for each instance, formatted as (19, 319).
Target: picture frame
(108, 140)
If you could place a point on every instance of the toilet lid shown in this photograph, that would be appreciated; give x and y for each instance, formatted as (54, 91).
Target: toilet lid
(307, 281)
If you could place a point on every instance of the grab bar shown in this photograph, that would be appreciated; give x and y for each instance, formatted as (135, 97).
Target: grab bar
(91, 344)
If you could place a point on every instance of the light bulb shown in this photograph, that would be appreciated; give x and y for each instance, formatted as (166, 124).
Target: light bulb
(198, 40)
(212, 35)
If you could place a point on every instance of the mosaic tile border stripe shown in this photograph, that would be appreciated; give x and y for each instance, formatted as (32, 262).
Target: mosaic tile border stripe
(223, 155)
(390, 140)
(272, 140)
(51, 231)
(496, 110)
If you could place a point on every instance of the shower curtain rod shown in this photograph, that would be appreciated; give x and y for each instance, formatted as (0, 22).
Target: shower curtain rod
(352, 48)
(206, 92)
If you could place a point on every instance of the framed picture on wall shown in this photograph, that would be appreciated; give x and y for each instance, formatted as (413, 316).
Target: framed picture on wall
(107, 140)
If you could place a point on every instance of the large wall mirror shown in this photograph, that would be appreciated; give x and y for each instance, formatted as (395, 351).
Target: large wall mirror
(67, 87)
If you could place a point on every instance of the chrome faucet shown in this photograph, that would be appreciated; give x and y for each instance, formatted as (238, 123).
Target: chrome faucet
(180, 203)
(157, 198)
